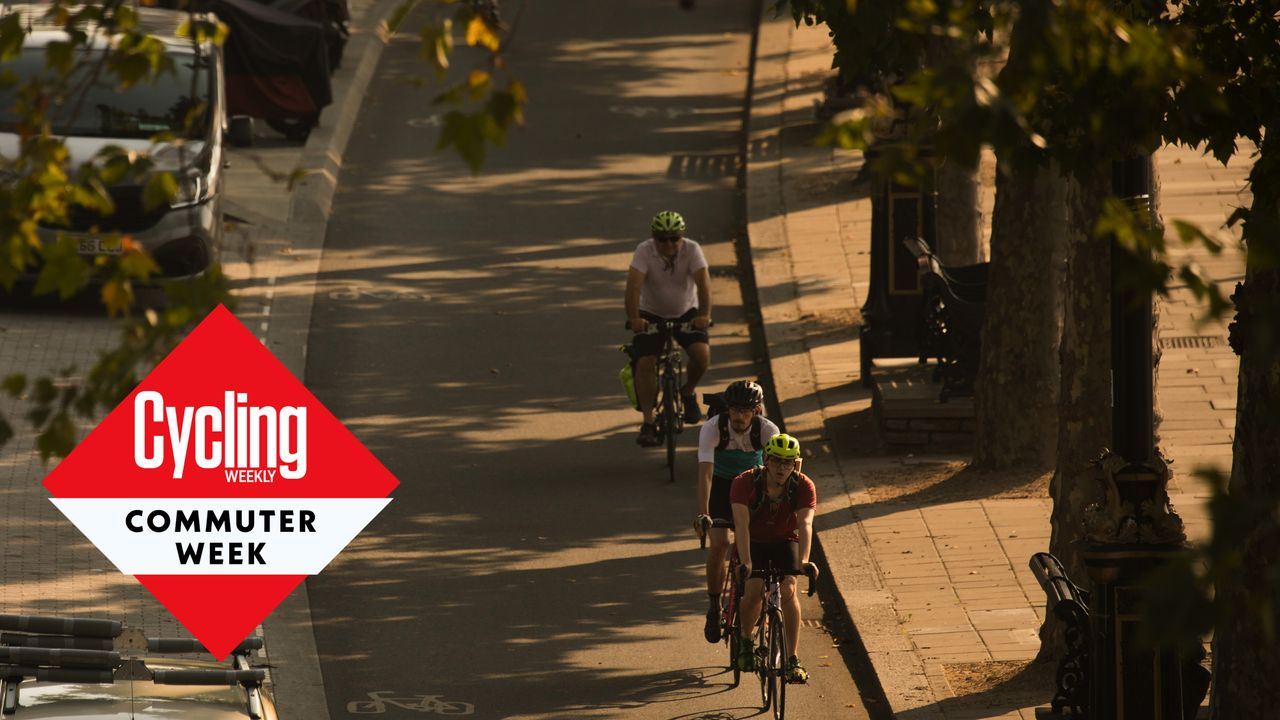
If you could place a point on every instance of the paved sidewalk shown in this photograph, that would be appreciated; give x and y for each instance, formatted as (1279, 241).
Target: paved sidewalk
(936, 588)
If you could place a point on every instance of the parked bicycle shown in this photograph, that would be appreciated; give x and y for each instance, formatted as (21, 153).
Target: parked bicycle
(771, 638)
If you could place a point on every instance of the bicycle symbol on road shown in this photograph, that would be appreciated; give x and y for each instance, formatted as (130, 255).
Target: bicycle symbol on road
(380, 700)
(644, 112)
(359, 293)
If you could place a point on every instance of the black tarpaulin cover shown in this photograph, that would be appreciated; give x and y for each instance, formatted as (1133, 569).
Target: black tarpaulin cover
(276, 63)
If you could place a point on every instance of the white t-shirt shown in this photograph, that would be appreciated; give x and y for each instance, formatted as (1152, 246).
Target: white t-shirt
(668, 292)
(709, 437)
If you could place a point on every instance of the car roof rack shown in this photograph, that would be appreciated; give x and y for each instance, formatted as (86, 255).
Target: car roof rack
(92, 651)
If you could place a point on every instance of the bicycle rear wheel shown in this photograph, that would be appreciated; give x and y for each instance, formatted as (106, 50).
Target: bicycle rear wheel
(778, 663)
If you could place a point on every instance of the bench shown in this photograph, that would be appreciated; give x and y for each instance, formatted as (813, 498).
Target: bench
(1069, 604)
(954, 301)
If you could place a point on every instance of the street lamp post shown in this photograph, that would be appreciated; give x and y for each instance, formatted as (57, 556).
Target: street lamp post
(1135, 529)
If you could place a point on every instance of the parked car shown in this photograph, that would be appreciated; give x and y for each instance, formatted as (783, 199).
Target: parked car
(61, 668)
(183, 235)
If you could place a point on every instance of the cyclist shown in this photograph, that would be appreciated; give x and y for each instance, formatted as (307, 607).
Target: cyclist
(729, 443)
(668, 280)
(773, 508)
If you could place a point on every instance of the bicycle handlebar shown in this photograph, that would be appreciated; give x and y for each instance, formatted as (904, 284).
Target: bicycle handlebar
(705, 523)
(774, 575)
(658, 326)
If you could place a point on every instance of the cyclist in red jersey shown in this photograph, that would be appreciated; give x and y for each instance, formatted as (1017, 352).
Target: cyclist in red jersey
(775, 504)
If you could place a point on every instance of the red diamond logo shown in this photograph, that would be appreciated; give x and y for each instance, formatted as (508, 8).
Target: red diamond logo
(220, 483)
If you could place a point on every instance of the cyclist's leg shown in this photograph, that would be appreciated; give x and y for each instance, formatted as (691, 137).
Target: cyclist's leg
(719, 508)
(699, 360)
(788, 555)
(646, 385)
(791, 613)
(697, 345)
(717, 557)
(645, 349)
(753, 592)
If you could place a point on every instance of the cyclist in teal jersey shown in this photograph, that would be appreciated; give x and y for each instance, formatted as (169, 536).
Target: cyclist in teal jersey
(729, 444)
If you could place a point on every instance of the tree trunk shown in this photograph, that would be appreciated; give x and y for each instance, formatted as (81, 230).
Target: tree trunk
(1084, 416)
(1017, 386)
(1245, 661)
(958, 227)
(958, 238)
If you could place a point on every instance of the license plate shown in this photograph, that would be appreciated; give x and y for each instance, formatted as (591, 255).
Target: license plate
(98, 246)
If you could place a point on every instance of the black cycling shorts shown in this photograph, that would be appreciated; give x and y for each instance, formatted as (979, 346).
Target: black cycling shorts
(783, 556)
(643, 344)
(719, 506)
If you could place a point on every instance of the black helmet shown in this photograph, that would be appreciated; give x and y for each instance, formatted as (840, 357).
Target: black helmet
(743, 393)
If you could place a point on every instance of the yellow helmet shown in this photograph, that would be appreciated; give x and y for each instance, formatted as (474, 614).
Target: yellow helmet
(782, 446)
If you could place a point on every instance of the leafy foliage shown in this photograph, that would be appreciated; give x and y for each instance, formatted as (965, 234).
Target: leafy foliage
(1087, 79)
(487, 101)
(41, 186)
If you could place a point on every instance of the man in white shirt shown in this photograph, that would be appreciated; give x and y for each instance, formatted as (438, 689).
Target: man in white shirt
(668, 280)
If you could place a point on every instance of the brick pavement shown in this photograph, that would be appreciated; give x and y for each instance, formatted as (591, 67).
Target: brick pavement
(935, 585)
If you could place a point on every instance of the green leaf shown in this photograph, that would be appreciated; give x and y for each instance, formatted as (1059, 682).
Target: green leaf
(58, 439)
(44, 391)
(466, 134)
(158, 190)
(14, 384)
(59, 56)
(12, 35)
(1190, 234)
(63, 269)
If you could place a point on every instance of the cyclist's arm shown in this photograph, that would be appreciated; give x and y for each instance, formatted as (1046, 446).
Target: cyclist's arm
(742, 532)
(708, 438)
(702, 279)
(635, 279)
(702, 500)
(804, 527)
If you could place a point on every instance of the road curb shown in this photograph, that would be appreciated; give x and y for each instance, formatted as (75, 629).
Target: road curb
(910, 689)
(296, 674)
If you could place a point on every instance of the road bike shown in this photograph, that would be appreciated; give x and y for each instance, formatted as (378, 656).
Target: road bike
(728, 596)
(771, 639)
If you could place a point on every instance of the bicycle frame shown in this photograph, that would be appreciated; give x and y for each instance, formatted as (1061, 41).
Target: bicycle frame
(670, 406)
(772, 644)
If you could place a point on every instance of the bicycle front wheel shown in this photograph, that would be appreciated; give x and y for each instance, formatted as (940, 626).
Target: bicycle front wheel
(778, 663)
(670, 416)
(762, 660)
(735, 642)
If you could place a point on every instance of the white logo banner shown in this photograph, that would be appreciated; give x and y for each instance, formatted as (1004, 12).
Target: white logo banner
(217, 536)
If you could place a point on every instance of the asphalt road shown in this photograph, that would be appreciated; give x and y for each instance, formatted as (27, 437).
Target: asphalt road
(535, 561)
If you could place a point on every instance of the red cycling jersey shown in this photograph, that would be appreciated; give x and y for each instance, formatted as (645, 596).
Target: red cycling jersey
(773, 523)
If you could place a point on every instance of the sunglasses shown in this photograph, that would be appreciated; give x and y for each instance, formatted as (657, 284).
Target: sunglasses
(666, 238)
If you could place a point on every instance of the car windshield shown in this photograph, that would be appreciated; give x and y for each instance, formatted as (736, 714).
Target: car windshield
(94, 104)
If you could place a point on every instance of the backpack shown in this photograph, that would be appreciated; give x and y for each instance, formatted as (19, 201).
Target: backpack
(717, 406)
(758, 481)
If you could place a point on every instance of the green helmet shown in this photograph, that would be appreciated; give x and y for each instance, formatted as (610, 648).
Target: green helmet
(667, 221)
(782, 446)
